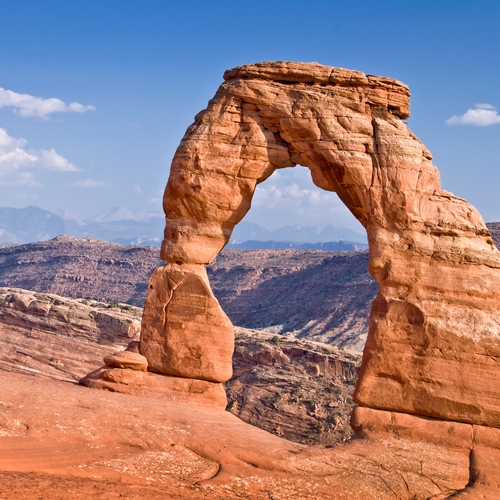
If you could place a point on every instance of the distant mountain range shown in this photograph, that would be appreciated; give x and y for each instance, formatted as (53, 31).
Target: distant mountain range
(248, 231)
(251, 236)
(118, 225)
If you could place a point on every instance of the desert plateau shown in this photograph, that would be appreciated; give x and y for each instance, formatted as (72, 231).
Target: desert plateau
(199, 372)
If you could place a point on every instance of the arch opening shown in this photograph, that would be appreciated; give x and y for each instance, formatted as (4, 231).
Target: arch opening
(297, 289)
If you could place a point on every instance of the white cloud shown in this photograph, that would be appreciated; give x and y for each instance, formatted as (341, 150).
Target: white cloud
(89, 183)
(28, 105)
(481, 116)
(290, 197)
(138, 189)
(291, 192)
(484, 106)
(19, 165)
(54, 161)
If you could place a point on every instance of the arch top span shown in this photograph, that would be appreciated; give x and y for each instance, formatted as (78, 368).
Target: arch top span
(433, 348)
(380, 91)
(345, 126)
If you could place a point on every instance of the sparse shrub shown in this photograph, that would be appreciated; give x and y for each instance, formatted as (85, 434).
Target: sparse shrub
(276, 340)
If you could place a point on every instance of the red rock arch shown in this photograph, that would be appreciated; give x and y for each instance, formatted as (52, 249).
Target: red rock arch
(434, 341)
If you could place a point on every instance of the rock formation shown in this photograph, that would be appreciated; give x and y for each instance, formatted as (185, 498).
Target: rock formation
(89, 321)
(299, 390)
(187, 334)
(433, 347)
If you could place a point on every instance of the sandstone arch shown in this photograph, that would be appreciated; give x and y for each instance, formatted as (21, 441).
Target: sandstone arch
(434, 342)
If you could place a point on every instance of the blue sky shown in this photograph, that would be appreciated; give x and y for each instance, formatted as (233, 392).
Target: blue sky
(139, 71)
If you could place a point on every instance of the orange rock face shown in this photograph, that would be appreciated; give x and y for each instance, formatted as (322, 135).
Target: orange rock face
(185, 333)
(434, 342)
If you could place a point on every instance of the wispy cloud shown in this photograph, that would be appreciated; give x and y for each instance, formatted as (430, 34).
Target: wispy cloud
(51, 160)
(89, 183)
(28, 105)
(280, 192)
(290, 197)
(138, 189)
(18, 165)
(480, 116)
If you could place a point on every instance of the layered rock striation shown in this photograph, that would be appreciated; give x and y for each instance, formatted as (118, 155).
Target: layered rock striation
(92, 321)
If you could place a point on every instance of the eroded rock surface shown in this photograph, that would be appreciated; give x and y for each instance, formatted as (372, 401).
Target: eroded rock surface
(88, 321)
(434, 342)
(64, 441)
(299, 390)
(184, 331)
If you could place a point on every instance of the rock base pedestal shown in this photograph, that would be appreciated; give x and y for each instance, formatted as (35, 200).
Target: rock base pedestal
(451, 452)
(149, 384)
(125, 372)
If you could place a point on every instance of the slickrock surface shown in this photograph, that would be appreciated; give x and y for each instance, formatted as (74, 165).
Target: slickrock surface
(88, 321)
(48, 354)
(433, 347)
(60, 338)
(63, 441)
